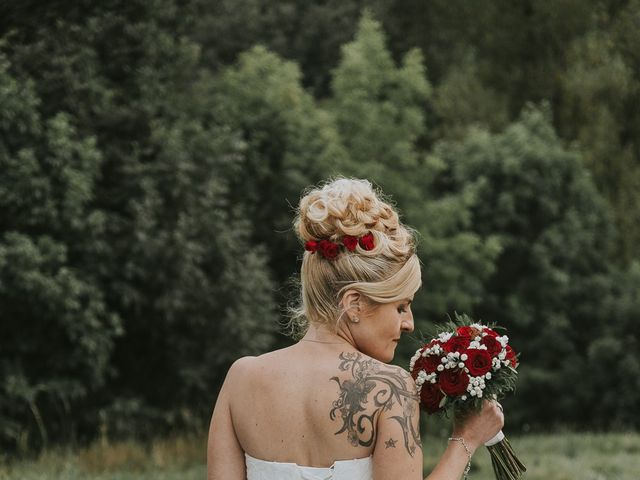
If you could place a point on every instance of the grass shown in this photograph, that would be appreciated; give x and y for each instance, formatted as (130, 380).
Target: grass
(167, 459)
(561, 456)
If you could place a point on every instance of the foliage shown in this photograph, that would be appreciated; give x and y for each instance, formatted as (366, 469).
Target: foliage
(57, 332)
(288, 143)
(555, 235)
(120, 232)
(378, 112)
(151, 153)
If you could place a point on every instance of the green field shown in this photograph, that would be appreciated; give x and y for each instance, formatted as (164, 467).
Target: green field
(565, 456)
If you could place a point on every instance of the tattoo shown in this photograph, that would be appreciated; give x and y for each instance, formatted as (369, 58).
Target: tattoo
(391, 443)
(355, 395)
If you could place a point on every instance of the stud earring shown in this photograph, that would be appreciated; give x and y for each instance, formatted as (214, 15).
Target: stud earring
(355, 320)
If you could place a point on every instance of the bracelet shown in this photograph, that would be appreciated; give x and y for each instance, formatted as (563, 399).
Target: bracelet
(466, 449)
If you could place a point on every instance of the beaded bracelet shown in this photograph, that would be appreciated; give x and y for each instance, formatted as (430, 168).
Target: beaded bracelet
(466, 449)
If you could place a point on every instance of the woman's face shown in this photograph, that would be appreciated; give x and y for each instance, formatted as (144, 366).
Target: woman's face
(380, 326)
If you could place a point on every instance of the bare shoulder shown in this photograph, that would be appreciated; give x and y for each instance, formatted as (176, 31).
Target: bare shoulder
(247, 370)
(238, 370)
(372, 397)
(378, 407)
(363, 367)
(241, 365)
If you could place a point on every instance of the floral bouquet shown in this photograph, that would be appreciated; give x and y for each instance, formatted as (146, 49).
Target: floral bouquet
(465, 363)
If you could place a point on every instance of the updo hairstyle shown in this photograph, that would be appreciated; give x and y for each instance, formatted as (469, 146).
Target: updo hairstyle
(387, 273)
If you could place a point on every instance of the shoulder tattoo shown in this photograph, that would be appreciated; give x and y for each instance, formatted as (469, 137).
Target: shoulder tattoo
(391, 387)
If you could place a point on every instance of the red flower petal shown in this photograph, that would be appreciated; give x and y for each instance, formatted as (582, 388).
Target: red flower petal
(311, 246)
(366, 242)
(350, 242)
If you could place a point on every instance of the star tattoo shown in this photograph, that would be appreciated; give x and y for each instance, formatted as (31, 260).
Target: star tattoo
(391, 443)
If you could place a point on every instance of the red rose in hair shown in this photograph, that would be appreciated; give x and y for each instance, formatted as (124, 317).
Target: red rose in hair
(366, 242)
(479, 362)
(457, 344)
(429, 364)
(311, 246)
(329, 249)
(350, 242)
(493, 346)
(511, 356)
(454, 382)
(430, 397)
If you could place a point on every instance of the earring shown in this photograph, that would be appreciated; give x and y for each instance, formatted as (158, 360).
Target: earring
(355, 320)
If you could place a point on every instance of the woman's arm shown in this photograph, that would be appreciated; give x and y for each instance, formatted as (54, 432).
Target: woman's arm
(225, 457)
(398, 452)
(452, 464)
(474, 430)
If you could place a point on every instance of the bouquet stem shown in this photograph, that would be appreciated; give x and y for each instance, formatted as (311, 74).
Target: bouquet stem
(505, 463)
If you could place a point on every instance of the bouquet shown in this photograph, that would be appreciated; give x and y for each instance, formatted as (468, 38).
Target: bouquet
(464, 364)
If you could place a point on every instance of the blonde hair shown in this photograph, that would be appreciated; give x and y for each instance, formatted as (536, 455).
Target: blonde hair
(387, 273)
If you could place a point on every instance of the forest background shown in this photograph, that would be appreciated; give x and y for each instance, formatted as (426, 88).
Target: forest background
(152, 153)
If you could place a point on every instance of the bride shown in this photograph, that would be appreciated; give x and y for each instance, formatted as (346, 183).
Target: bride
(330, 406)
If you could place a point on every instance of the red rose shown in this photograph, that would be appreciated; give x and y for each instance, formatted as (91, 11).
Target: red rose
(454, 382)
(490, 332)
(311, 246)
(457, 344)
(433, 343)
(512, 356)
(366, 242)
(329, 249)
(430, 397)
(350, 242)
(429, 364)
(468, 331)
(479, 362)
(493, 346)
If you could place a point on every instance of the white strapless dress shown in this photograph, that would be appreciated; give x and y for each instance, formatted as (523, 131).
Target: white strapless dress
(357, 469)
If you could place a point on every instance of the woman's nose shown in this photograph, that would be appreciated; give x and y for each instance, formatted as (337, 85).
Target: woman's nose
(407, 324)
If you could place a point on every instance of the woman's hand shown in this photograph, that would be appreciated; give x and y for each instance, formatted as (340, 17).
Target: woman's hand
(479, 427)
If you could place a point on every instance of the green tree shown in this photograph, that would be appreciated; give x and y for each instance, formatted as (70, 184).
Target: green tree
(600, 88)
(552, 273)
(613, 382)
(57, 331)
(378, 109)
(140, 207)
(289, 144)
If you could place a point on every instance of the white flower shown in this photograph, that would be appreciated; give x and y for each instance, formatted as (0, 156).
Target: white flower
(440, 368)
(464, 357)
(443, 337)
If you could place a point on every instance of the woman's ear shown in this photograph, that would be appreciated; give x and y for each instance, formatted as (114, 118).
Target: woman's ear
(351, 305)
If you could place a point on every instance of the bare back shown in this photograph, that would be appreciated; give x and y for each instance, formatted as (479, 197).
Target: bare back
(312, 404)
